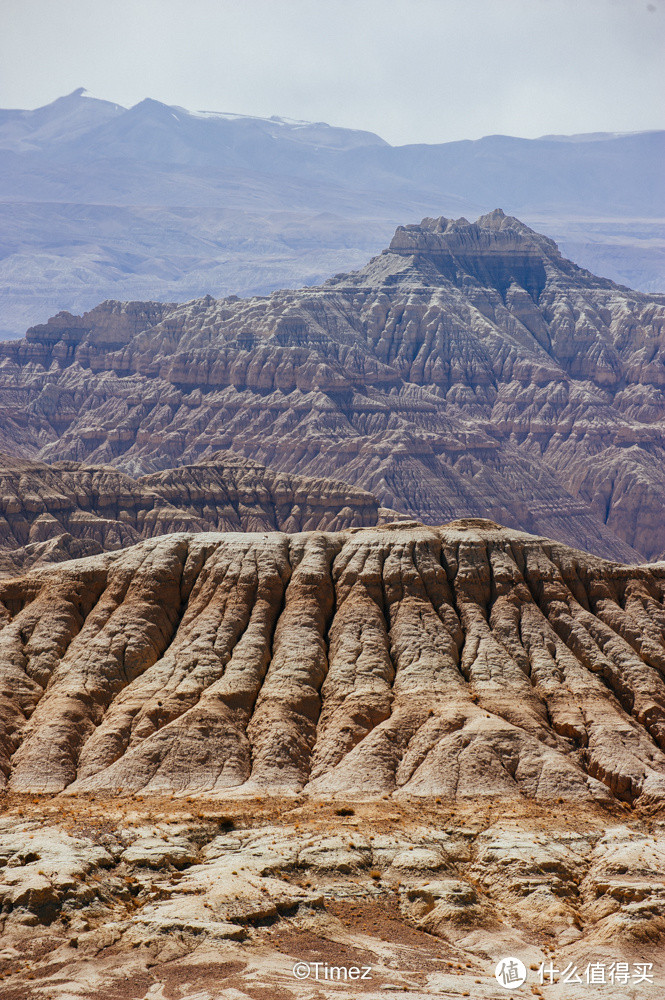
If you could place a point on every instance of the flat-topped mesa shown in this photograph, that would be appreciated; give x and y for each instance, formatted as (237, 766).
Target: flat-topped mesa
(490, 233)
(495, 251)
(109, 326)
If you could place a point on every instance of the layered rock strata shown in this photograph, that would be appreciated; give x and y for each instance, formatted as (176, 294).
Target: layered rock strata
(468, 370)
(466, 661)
(49, 513)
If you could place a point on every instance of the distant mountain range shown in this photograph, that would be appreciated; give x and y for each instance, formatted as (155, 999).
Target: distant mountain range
(156, 202)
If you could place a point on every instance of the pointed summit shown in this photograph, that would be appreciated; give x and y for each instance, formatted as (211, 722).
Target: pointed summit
(75, 101)
(149, 106)
(494, 219)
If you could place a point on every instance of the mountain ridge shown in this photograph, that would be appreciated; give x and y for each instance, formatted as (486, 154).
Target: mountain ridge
(51, 513)
(94, 209)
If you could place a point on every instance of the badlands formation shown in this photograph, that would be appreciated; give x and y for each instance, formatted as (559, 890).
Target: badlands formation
(409, 749)
(49, 513)
(465, 661)
(263, 719)
(467, 371)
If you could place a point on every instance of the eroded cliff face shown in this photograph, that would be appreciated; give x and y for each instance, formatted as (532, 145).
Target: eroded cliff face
(50, 513)
(469, 370)
(466, 661)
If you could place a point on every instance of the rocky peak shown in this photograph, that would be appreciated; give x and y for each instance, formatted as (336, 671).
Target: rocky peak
(442, 234)
(495, 251)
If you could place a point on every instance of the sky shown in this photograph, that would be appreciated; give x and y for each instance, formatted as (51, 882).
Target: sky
(410, 70)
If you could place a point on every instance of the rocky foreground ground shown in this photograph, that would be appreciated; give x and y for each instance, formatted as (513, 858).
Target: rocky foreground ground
(198, 899)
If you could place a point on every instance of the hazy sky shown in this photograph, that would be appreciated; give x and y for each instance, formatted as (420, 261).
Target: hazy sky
(411, 70)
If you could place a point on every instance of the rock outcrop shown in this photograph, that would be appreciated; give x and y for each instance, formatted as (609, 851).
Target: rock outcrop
(179, 898)
(467, 661)
(468, 370)
(50, 513)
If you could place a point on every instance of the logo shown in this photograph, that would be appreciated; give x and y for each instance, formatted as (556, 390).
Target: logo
(510, 973)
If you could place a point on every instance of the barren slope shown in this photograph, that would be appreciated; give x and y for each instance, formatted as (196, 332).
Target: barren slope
(465, 661)
(469, 370)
